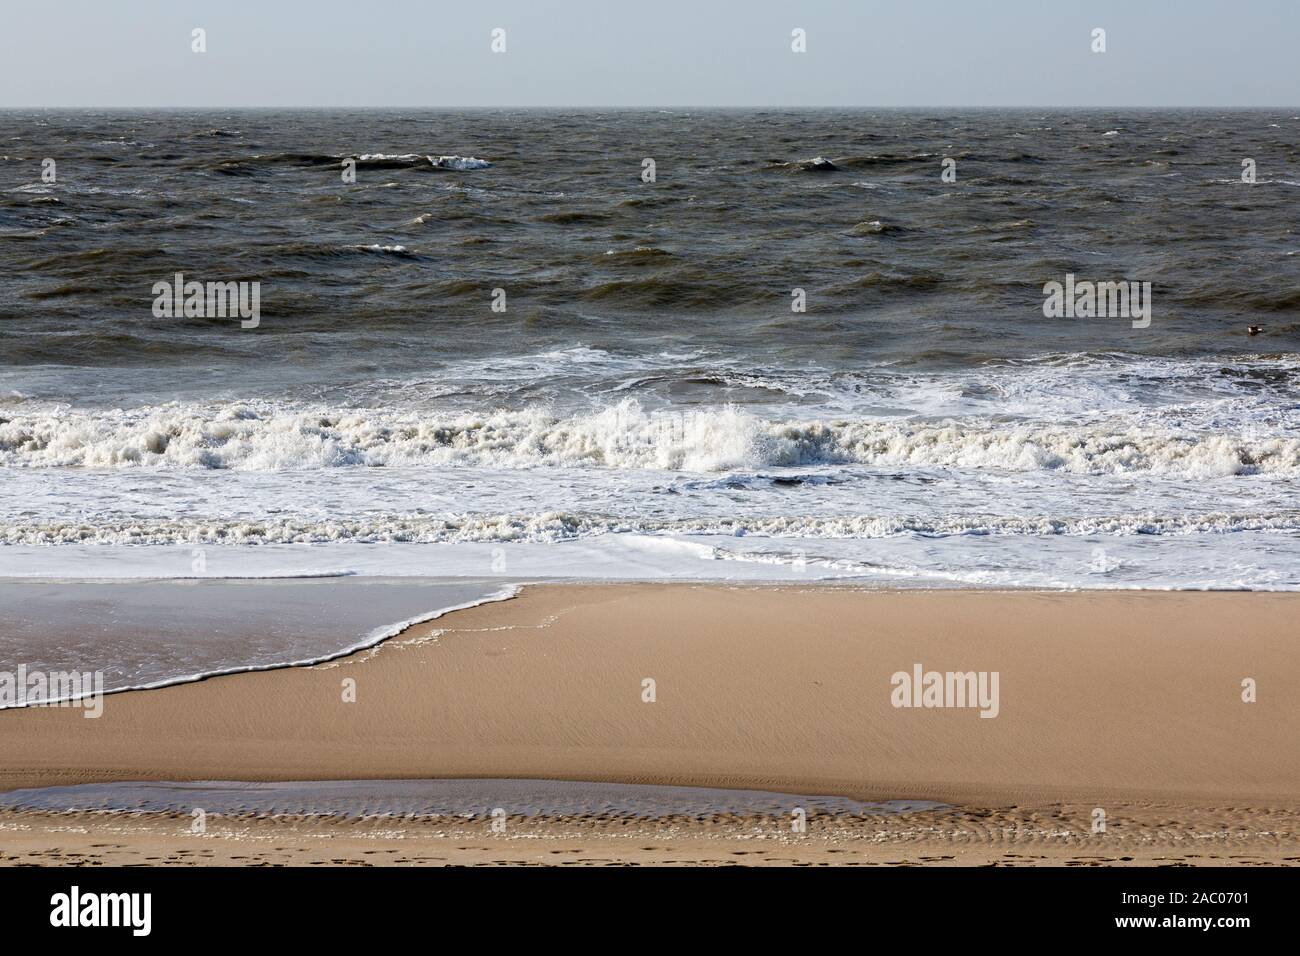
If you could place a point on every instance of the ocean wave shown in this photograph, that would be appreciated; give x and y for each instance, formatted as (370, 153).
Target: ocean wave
(637, 254)
(686, 289)
(884, 159)
(821, 164)
(264, 436)
(393, 250)
(282, 159)
(389, 160)
(573, 217)
(875, 227)
(459, 162)
(312, 250)
(556, 526)
(246, 164)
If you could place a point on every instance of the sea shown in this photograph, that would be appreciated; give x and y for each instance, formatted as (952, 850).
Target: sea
(503, 346)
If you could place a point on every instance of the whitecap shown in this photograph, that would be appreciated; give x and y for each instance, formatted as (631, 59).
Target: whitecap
(459, 162)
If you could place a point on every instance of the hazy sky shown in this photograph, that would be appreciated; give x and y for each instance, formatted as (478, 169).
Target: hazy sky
(650, 53)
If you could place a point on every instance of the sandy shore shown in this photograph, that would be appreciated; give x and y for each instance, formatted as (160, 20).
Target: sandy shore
(1130, 702)
(1055, 835)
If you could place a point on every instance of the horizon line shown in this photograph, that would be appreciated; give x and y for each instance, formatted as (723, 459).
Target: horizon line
(714, 106)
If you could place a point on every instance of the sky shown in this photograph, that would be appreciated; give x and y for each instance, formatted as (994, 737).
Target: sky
(653, 53)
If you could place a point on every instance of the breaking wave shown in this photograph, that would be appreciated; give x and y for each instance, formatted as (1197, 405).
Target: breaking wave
(266, 436)
(459, 162)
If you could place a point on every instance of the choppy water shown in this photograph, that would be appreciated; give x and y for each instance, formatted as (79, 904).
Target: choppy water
(648, 389)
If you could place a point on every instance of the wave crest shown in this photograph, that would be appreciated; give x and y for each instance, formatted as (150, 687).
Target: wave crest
(272, 437)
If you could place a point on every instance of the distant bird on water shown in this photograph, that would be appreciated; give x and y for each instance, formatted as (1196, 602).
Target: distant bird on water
(1254, 329)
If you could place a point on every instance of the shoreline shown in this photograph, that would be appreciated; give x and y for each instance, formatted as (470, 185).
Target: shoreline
(560, 660)
(510, 589)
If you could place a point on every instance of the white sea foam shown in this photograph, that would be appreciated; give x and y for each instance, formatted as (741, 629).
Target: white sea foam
(459, 162)
(556, 526)
(1246, 560)
(1007, 474)
(273, 436)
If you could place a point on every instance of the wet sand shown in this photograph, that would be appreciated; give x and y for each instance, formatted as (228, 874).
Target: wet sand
(1054, 835)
